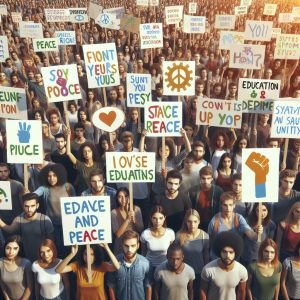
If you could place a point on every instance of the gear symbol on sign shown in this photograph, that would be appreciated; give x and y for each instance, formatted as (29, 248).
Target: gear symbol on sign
(178, 77)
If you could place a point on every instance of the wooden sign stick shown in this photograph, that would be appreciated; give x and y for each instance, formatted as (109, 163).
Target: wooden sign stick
(285, 151)
(259, 219)
(89, 265)
(163, 147)
(130, 196)
(26, 177)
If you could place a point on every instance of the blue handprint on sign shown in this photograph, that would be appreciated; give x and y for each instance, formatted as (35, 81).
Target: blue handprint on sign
(24, 133)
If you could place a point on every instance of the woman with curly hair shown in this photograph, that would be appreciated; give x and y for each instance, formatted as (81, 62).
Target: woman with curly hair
(56, 126)
(83, 117)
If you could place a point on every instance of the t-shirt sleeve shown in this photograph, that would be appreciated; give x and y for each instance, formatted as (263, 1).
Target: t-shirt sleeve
(171, 235)
(48, 226)
(34, 267)
(114, 221)
(243, 225)
(143, 237)
(205, 274)
(287, 263)
(157, 275)
(210, 229)
(191, 274)
(243, 274)
(279, 268)
(148, 276)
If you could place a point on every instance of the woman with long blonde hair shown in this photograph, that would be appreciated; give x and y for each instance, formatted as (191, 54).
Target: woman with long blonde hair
(195, 244)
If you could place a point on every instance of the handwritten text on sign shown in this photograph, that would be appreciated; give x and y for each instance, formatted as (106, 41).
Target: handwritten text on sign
(194, 24)
(101, 65)
(258, 30)
(151, 35)
(138, 89)
(130, 166)
(163, 119)
(247, 56)
(219, 113)
(61, 83)
(173, 14)
(31, 30)
(43, 45)
(230, 38)
(225, 21)
(24, 141)
(270, 9)
(287, 46)
(286, 119)
(65, 37)
(4, 53)
(13, 103)
(86, 220)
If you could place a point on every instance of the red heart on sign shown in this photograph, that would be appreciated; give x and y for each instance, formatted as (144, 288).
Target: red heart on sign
(109, 118)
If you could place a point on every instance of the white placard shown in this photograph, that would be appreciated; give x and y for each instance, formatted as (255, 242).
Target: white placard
(270, 9)
(78, 15)
(230, 38)
(44, 45)
(194, 24)
(246, 2)
(107, 20)
(174, 14)
(117, 11)
(31, 30)
(4, 53)
(66, 37)
(192, 7)
(151, 35)
(286, 18)
(258, 30)
(142, 3)
(16, 17)
(225, 22)
(57, 15)
(94, 10)
(275, 32)
(240, 10)
(3, 9)
(287, 46)
(5, 196)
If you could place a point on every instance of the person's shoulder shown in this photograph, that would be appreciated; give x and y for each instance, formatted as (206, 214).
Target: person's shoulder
(188, 268)
(162, 267)
(35, 267)
(239, 266)
(24, 262)
(143, 259)
(110, 189)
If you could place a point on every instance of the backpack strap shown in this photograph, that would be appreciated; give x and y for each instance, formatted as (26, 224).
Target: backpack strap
(216, 223)
(236, 222)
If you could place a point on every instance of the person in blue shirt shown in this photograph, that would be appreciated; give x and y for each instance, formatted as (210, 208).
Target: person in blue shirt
(133, 280)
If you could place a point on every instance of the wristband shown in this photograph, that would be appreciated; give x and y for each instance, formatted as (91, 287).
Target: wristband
(260, 190)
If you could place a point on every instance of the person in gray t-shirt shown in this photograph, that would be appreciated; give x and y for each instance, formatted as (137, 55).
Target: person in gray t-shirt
(174, 278)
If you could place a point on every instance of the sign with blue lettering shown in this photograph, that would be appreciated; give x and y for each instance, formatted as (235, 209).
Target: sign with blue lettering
(78, 15)
(65, 37)
(138, 89)
(5, 195)
(86, 220)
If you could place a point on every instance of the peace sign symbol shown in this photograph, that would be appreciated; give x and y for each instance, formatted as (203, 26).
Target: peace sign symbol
(104, 19)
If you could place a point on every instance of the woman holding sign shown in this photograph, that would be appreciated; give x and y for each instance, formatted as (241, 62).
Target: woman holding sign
(93, 290)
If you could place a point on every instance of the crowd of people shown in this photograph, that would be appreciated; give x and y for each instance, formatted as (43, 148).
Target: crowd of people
(190, 234)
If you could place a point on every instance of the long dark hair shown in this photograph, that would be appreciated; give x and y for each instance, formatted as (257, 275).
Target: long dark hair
(58, 169)
(98, 255)
(253, 219)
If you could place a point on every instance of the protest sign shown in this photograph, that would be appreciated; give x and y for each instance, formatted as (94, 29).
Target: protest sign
(13, 103)
(94, 10)
(78, 15)
(192, 7)
(142, 2)
(5, 195)
(179, 78)
(61, 83)
(65, 37)
(108, 118)
(16, 17)
(130, 24)
(173, 14)
(225, 22)
(130, 166)
(194, 24)
(260, 167)
(117, 11)
(275, 32)
(163, 118)
(230, 38)
(57, 15)
(270, 9)
(240, 10)
(24, 141)
(138, 89)
(246, 2)
(86, 220)
(101, 65)
(258, 95)
(286, 119)
(44, 45)
(3, 9)
(247, 56)
(151, 35)
(4, 53)
(107, 20)
(220, 113)
(258, 30)
(286, 17)
(296, 13)
(31, 30)
(287, 46)
(153, 2)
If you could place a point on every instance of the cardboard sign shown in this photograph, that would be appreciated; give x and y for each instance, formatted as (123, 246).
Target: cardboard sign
(260, 180)
(101, 65)
(78, 15)
(179, 78)
(247, 56)
(151, 35)
(246, 2)
(130, 166)
(153, 2)
(44, 45)
(107, 20)
(94, 10)
(258, 95)
(130, 24)
(270, 9)
(220, 113)
(117, 11)
(296, 13)
(192, 7)
(4, 53)
(173, 14)
(5, 196)
(66, 37)
(3, 9)
(275, 32)
(230, 38)
(61, 83)
(258, 30)
(108, 118)
(138, 89)
(31, 30)
(286, 119)
(24, 141)
(13, 103)
(57, 15)
(287, 46)
(286, 18)
(16, 17)
(142, 2)
(225, 22)
(86, 220)
(194, 24)
(163, 118)
(240, 10)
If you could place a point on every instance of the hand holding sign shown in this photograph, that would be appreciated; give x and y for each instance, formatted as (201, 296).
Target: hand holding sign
(259, 164)
(24, 133)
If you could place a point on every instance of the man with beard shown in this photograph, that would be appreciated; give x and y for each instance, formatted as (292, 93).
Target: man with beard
(198, 151)
(98, 187)
(132, 280)
(224, 278)
(174, 202)
(174, 278)
(33, 227)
